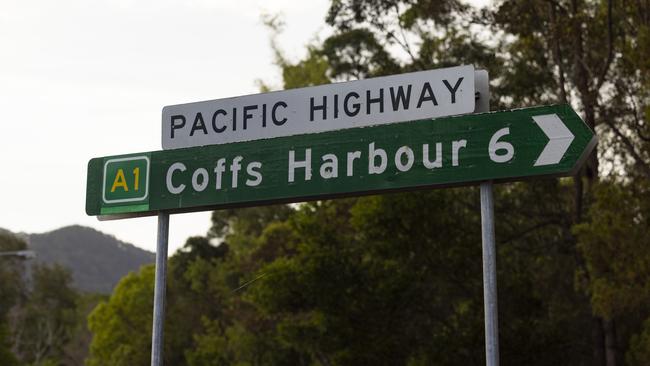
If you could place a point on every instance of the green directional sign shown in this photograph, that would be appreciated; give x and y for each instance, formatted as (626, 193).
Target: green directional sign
(500, 146)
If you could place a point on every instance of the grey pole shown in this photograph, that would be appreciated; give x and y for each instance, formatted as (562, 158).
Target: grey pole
(27, 254)
(489, 276)
(489, 247)
(159, 291)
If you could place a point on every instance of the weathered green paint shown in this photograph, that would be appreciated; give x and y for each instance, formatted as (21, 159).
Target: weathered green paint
(474, 163)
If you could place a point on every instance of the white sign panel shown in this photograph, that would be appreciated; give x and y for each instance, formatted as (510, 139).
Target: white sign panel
(376, 101)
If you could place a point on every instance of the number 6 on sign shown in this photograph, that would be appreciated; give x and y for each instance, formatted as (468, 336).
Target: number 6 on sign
(496, 145)
(126, 179)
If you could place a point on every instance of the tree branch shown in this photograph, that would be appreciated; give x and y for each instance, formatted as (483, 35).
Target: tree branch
(610, 47)
(557, 53)
(559, 6)
(645, 169)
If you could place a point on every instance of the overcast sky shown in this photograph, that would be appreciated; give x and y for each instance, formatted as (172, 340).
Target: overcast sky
(82, 79)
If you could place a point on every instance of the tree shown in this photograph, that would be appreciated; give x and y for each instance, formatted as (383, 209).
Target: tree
(586, 52)
(241, 334)
(37, 317)
(44, 323)
(190, 295)
(615, 244)
(121, 326)
(12, 288)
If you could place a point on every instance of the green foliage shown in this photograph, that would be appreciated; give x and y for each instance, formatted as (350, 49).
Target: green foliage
(12, 288)
(381, 280)
(121, 326)
(12, 269)
(6, 356)
(37, 316)
(45, 321)
(346, 297)
(639, 353)
(357, 54)
(77, 348)
(614, 243)
(308, 72)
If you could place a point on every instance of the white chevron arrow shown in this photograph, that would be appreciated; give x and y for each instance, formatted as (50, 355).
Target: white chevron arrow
(559, 137)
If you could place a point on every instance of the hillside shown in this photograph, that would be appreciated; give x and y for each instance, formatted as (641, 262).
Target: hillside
(97, 260)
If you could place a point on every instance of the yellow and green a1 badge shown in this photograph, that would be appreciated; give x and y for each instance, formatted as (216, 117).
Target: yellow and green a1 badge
(126, 182)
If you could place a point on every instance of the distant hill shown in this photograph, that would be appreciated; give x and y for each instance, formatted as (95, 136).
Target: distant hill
(97, 260)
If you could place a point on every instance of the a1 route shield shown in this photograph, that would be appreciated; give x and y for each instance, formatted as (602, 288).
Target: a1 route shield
(126, 179)
(500, 146)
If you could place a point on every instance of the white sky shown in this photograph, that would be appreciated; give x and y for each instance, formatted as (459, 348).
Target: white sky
(86, 78)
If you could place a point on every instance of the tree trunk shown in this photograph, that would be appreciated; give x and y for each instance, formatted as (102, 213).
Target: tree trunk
(598, 339)
(611, 350)
(601, 334)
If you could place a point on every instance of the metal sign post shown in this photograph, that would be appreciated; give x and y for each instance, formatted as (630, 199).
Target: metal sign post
(491, 315)
(159, 291)
(489, 276)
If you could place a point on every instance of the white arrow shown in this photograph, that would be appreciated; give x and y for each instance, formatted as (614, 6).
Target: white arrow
(559, 136)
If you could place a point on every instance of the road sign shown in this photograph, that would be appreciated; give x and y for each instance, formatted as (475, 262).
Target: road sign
(376, 101)
(500, 146)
